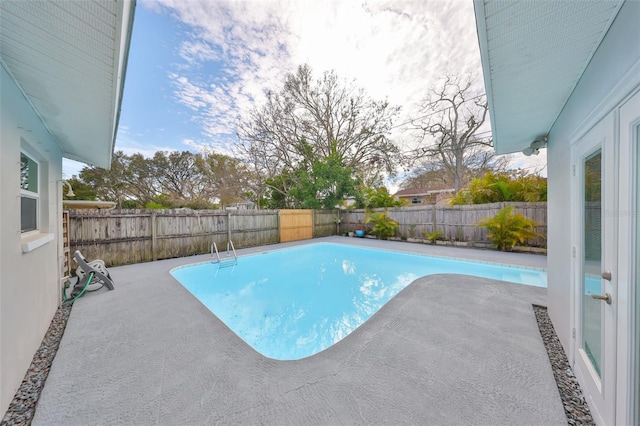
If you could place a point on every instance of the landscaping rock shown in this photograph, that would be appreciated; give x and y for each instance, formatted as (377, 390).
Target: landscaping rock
(575, 406)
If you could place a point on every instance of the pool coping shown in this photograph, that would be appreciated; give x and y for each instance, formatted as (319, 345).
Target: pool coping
(334, 240)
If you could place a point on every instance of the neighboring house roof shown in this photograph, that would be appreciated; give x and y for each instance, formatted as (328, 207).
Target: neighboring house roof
(69, 58)
(533, 55)
(419, 192)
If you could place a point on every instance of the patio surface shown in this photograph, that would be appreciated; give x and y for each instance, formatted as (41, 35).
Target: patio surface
(449, 349)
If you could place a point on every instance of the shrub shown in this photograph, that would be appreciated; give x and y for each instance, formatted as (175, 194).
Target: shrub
(506, 229)
(383, 226)
(433, 236)
(497, 187)
(152, 205)
(374, 198)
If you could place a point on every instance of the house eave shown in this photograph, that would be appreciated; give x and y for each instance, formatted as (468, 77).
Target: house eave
(69, 60)
(529, 71)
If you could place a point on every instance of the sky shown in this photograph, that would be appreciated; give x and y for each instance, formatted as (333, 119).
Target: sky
(196, 66)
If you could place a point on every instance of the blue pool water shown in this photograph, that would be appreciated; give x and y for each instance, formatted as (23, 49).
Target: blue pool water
(292, 303)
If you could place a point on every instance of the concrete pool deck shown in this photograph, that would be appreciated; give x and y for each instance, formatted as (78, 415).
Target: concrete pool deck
(449, 349)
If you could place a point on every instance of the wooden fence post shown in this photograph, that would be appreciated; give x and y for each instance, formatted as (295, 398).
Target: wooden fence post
(434, 218)
(154, 237)
(279, 228)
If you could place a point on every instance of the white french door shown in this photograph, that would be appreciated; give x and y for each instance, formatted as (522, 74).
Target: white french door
(595, 249)
(628, 215)
(606, 244)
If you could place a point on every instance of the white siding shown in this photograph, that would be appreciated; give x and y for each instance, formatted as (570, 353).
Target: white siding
(29, 282)
(614, 59)
(537, 51)
(68, 57)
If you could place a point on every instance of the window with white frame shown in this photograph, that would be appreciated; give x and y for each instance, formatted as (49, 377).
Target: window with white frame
(416, 200)
(29, 195)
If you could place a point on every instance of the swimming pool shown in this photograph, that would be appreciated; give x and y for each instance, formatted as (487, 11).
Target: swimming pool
(293, 303)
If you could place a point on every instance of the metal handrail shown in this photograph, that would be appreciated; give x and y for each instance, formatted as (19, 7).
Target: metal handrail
(234, 261)
(214, 246)
(235, 256)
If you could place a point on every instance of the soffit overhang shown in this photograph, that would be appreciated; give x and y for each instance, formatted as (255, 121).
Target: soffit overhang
(533, 55)
(69, 59)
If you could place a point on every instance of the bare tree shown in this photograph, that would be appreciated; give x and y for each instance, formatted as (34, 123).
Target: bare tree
(427, 175)
(224, 177)
(451, 118)
(311, 120)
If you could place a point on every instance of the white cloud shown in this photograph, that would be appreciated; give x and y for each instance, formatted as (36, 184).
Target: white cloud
(195, 145)
(194, 51)
(71, 168)
(131, 145)
(147, 151)
(532, 164)
(395, 50)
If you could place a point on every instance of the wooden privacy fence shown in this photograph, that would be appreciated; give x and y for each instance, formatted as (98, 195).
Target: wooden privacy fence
(304, 224)
(457, 223)
(296, 225)
(121, 237)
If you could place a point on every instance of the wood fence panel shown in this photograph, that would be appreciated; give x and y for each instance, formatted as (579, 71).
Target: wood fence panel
(413, 222)
(187, 232)
(457, 223)
(121, 237)
(117, 239)
(250, 228)
(324, 223)
(296, 225)
(350, 219)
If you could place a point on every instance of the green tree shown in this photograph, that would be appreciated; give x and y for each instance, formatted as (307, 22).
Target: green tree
(224, 178)
(177, 177)
(81, 189)
(140, 179)
(112, 184)
(322, 184)
(374, 198)
(169, 180)
(312, 122)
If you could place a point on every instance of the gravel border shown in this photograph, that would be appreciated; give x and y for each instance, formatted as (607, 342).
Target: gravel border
(23, 407)
(575, 406)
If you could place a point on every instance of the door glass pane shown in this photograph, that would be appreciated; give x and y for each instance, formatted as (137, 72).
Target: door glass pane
(592, 255)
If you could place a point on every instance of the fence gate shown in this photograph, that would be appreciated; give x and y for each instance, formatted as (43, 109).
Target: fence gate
(296, 225)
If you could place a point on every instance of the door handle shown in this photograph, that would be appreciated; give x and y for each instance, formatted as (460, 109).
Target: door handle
(606, 297)
(606, 275)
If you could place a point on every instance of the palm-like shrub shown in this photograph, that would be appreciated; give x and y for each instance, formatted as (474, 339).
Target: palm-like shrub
(383, 226)
(506, 229)
(498, 187)
(434, 236)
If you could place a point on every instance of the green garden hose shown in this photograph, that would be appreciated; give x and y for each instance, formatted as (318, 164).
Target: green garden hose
(69, 302)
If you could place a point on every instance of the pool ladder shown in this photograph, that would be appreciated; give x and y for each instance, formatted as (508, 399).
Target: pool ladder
(225, 262)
